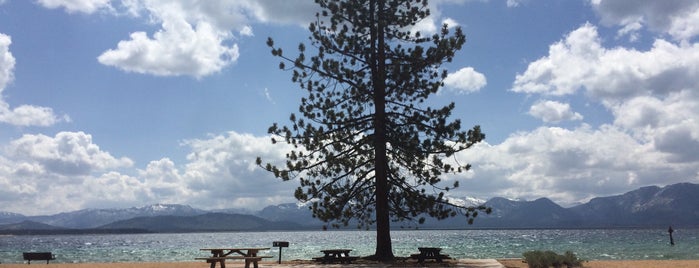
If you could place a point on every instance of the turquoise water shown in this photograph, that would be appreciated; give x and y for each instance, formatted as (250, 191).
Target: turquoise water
(595, 244)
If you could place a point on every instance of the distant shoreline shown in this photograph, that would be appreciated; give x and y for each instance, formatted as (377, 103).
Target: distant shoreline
(92, 231)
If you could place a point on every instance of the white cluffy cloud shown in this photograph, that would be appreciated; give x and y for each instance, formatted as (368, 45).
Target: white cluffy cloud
(554, 112)
(513, 3)
(178, 49)
(570, 165)
(7, 61)
(187, 44)
(679, 18)
(23, 115)
(653, 138)
(465, 80)
(84, 6)
(42, 174)
(66, 154)
(581, 63)
(197, 38)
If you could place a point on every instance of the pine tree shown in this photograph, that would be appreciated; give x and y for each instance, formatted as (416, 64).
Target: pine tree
(365, 150)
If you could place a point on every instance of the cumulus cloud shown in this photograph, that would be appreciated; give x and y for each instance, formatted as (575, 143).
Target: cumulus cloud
(465, 80)
(29, 115)
(650, 93)
(7, 61)
(580, 62)
(228, 163)
(83, 6)
(569, 166)
(668, 123)
(67, 153)
(40, 173)
(299, 12)
(679, 18)
(23, 115)
(513, 3)
(196, 37)
(69, 172)
(554, 112)
(432, 23)
(178, 49)
(451, 23)
(651, 96)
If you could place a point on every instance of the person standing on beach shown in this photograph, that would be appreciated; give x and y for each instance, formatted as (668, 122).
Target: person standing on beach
(670, 230)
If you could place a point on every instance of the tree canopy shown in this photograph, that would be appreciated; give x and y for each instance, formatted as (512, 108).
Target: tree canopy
(367, 148)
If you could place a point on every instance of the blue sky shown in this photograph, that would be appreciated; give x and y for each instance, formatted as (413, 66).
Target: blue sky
(109, 104)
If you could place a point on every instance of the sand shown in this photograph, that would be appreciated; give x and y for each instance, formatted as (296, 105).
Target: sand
(517, 263)
(509, 263)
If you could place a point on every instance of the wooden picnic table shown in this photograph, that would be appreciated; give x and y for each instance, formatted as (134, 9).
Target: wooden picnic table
(429, 253)
(220, 255)
(335, 255)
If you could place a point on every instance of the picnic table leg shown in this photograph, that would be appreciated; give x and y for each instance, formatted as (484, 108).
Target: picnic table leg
(254, 263)
(222, 261)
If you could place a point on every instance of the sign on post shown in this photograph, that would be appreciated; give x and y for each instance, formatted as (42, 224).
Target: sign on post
(280, 245)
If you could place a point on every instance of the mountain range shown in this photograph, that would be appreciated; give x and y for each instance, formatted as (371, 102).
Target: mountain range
(651, 206)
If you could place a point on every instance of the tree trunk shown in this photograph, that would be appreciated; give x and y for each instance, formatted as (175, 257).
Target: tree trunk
(384, 249)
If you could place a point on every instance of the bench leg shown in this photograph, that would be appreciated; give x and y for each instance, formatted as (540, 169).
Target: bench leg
(213, 263)
(254, 263)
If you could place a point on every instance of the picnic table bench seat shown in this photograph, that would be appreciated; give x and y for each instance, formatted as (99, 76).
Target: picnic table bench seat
(438, 258)
(324, 259)
(258, 258)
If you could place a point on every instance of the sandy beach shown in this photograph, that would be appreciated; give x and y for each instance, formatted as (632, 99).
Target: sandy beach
(517, 263)
(508, 263)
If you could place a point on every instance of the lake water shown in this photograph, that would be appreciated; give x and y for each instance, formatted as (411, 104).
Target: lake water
(595, 244)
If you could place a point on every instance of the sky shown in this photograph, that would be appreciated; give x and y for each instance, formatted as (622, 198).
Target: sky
(123, 103)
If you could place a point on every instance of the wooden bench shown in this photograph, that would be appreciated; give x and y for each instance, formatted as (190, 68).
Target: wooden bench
(336, 259)
(429, 253)
(43, 256)
(222, 260)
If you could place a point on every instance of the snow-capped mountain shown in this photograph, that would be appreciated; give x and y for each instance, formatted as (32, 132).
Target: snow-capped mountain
(645, 207)
(90, 218)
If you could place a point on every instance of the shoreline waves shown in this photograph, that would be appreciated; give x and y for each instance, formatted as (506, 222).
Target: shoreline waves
(608, 248)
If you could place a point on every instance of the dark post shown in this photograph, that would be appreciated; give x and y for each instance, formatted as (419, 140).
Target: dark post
(280, 244)
(672, 241)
